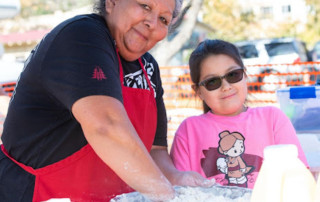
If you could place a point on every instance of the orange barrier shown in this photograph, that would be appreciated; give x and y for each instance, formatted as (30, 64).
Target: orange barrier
(8, 87)
(263, 81)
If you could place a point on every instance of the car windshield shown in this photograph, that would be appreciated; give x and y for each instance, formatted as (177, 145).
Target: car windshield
(248, 51)
(275, 49)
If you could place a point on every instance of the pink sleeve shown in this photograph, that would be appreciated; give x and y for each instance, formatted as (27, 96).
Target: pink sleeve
(285, 133)
(179, 149)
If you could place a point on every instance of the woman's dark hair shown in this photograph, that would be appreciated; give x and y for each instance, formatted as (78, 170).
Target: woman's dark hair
(204, 50)
(99, 7)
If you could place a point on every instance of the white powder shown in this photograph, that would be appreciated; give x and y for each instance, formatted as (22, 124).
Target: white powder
(129, 168)
(196, 194)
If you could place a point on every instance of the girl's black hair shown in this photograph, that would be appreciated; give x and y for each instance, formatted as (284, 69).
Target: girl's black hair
(203, 50)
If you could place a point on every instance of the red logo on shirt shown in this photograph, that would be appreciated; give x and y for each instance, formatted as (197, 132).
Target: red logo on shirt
(98, 74)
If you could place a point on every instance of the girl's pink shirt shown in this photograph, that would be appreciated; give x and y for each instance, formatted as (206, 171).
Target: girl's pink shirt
(195, 146)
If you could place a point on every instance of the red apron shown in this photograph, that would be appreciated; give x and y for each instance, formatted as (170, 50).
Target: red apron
(83, 176)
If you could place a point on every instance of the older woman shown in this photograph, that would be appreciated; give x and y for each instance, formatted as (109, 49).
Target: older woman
(88, 107)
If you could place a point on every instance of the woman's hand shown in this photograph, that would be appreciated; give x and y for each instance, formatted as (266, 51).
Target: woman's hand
(108, 130)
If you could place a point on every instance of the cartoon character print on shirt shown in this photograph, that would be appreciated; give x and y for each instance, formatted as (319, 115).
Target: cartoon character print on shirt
(138, 80)
(211, 155)
(231, 145)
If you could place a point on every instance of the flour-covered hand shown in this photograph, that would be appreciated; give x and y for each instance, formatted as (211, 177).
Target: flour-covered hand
(190, 178)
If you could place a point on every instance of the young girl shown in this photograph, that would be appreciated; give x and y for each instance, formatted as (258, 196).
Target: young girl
(227, 141)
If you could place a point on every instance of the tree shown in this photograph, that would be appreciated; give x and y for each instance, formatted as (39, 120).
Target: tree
(228, 19)
(312, 33)
(166, 49)
(234, 23)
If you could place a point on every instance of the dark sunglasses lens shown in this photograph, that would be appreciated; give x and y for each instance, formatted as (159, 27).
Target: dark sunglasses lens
(213, 83)
(235, 76)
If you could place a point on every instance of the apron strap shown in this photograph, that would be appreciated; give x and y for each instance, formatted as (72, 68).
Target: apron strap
(142, 67)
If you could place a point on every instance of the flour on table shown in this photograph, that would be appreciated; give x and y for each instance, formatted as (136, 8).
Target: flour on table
(196, 194)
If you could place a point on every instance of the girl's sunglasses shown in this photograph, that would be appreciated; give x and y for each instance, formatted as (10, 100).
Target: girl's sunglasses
(216, 82)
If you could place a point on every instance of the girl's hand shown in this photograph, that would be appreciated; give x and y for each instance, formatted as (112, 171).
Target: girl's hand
(193, 179)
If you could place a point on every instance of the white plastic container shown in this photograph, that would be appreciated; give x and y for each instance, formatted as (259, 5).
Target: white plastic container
(302, 105)
(317, 194)
(283, 177)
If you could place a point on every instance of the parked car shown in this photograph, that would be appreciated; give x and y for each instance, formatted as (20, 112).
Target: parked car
(316, 52)
(275, 51)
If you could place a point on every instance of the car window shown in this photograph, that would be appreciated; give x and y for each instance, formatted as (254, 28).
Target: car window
(274, 49)
(248, 51)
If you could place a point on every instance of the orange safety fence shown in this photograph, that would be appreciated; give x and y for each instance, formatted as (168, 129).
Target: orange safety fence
(263, 81)
(8, 87)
